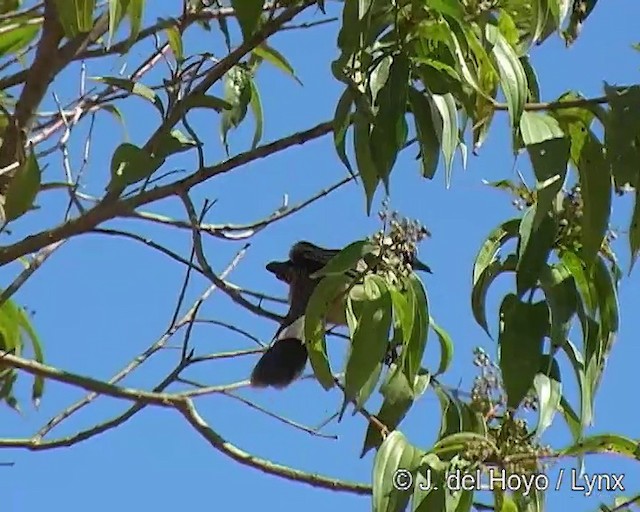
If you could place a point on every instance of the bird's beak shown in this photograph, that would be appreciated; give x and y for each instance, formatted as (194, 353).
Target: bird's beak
(280, 269)
(418, 265)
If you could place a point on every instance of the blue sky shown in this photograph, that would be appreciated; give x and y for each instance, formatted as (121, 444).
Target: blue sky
(101, 301)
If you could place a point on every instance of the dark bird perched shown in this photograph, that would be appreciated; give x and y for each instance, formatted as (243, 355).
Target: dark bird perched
(286, 358)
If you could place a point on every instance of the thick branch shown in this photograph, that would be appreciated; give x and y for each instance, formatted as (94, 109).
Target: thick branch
(106, 211)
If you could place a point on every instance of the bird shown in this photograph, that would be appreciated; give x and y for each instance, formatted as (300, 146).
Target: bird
(284, 361)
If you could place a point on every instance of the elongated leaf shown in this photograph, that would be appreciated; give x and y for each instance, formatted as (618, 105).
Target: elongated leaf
(534, 248)
(133, 87)
(75, 16)
(622, 131)
(23, 189)
(634, 231)
(586, 393)
(549, 160)
(346, 259)
(325, 293)
(605, 443)
(364, 159)
(256, 109)
(595, 183)
(131, 164)
(398, 397)
(206, 101)
(341, 123)
(175, 42)
(537, 127)
(38, 353)
(117, 10)
(490, 247)
(248, 14)
(274, 57)
(395, 454)
(237, 92)
(412, 352)
(16, 34)
(446, 347)
(482, 285)
(135, 12)
(445, 120)
(560, 291)
(522, 330)
(369, 341)
(548, 387)
(390, 128)
(426, 132)
(513, 78)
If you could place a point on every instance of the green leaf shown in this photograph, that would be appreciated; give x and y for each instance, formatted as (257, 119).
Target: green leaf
(548, 387)
(522, 330)
(549, 160)
(508, 504)
(446, 347)
(583, 281)
(256, 108)
(445, 120)
(534, 248)
(586, 393)
(364, 159)
(117, 10)
(341, 123)
(413, 351)
(174, 37)
(16, 33)
(134, 87)
(131, 164)
(426, 132)
(22, 189)
(394, 454)
(570, 416)
(369, 340)
(389, 132)
(274, 57)
(513, 78)
(607, 297)
(595, 184)
(237, 92)
(460, 441)
(559, 288)
(10, 335)
(634, 231)
(346, 259)
(172, 143)
(457, 416)
(604, 443)
(206, 101)
(537, 127)
(622, 134)
(532, 83)
(248, 14)
(325, 293)
(404, 312)
(490, 247)
(136, 13)
(75, 16)
(38, 382)
(398, 397)
(482, 285)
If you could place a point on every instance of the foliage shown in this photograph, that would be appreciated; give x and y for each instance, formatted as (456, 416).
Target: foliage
(425, 74)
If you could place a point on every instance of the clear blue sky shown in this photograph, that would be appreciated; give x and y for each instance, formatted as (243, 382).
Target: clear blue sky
(101, 301)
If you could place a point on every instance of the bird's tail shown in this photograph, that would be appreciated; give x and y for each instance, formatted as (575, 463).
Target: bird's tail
(284, 361)
(281, 364)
